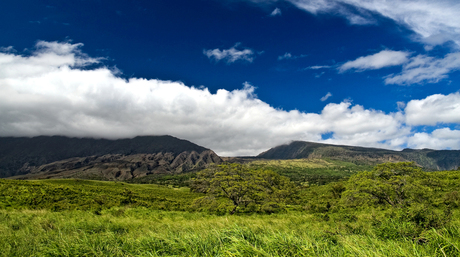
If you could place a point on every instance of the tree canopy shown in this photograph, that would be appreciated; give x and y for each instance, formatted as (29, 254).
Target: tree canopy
(255, 189)
(396, 184)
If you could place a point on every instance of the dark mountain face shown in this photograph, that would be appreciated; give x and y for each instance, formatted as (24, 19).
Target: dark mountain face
(429, 159)
(20, 155)
(122, 167)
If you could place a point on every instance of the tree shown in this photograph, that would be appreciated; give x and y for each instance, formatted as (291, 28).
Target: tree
(396, 184)
(263, 190)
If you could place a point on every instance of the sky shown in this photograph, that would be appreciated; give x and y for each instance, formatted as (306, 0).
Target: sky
(236, 76)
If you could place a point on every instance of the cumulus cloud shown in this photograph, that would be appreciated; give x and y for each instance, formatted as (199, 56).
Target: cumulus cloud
(230, 55)
(385, 58)
(53, 91)
(424, 68)
(324, 98)
(276, 12)
(444, 138)
(434, 109)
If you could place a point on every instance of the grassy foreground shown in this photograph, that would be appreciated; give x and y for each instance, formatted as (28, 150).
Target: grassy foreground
(393, 210)
(144, 232)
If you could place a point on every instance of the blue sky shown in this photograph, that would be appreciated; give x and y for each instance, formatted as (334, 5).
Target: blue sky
(236, 76)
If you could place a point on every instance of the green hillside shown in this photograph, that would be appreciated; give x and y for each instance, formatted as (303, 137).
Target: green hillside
(429, 159)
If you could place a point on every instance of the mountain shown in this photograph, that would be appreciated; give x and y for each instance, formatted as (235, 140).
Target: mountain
(427, 158)
(44, 156)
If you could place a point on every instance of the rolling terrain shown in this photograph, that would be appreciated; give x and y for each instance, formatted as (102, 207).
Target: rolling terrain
(427, 158)
(63, 157)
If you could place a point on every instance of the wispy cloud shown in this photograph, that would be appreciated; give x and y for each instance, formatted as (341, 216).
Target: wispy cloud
(416, 69)
(317, 67)
(424, 68)
(385, 58)
(231, 55)
(53, 91)
(289, 56)
(324, 98)
(435, 22)
(276, 12)
(8, 49)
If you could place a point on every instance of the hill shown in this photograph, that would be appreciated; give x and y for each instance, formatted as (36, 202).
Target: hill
(47, 157)
(429, 159)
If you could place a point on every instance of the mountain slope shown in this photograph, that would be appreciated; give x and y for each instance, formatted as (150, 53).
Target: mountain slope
(122, 167)
(22, 155)
(429, 159)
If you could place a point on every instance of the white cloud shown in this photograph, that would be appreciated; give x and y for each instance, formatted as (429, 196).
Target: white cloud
(289, 56)
(444, 138)
(401, 105)
(317, 67)
(276, 12)
(230, 55)
(324, 98)
(385, 58)
(50, 93)
(285, 56)
(9, 49)
(435, 22)
(434, 109)
(423, 68)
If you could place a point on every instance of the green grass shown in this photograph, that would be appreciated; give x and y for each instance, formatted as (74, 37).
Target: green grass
(312, 171)
(78, 194)
(144, 232)
(94, 218)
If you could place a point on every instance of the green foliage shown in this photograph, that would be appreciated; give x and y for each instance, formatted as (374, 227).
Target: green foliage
(60, 195)
(344, 218)
(177, 180)
(311, 171)
(246, 188)
(396, 184)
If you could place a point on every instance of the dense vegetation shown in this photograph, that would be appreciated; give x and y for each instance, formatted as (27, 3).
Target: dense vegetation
(391, 210)
(311, 171)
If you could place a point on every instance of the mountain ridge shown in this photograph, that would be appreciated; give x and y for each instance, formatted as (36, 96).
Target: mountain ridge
(21, 155)
(427, 158)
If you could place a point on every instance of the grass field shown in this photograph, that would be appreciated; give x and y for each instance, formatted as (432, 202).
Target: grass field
(76, 194)
(94, 218)
(144, 232)
(312, 171)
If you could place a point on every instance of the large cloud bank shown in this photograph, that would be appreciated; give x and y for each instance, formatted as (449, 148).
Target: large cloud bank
(57, 91)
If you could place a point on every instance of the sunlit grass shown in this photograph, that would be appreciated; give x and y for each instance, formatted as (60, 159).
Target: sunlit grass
(145, 232)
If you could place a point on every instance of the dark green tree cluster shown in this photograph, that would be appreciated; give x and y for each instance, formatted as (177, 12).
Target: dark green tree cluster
(403, 200)
(250, 190)
(396, 184)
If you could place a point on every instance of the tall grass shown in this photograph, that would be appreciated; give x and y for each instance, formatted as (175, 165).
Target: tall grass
(145, 232)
